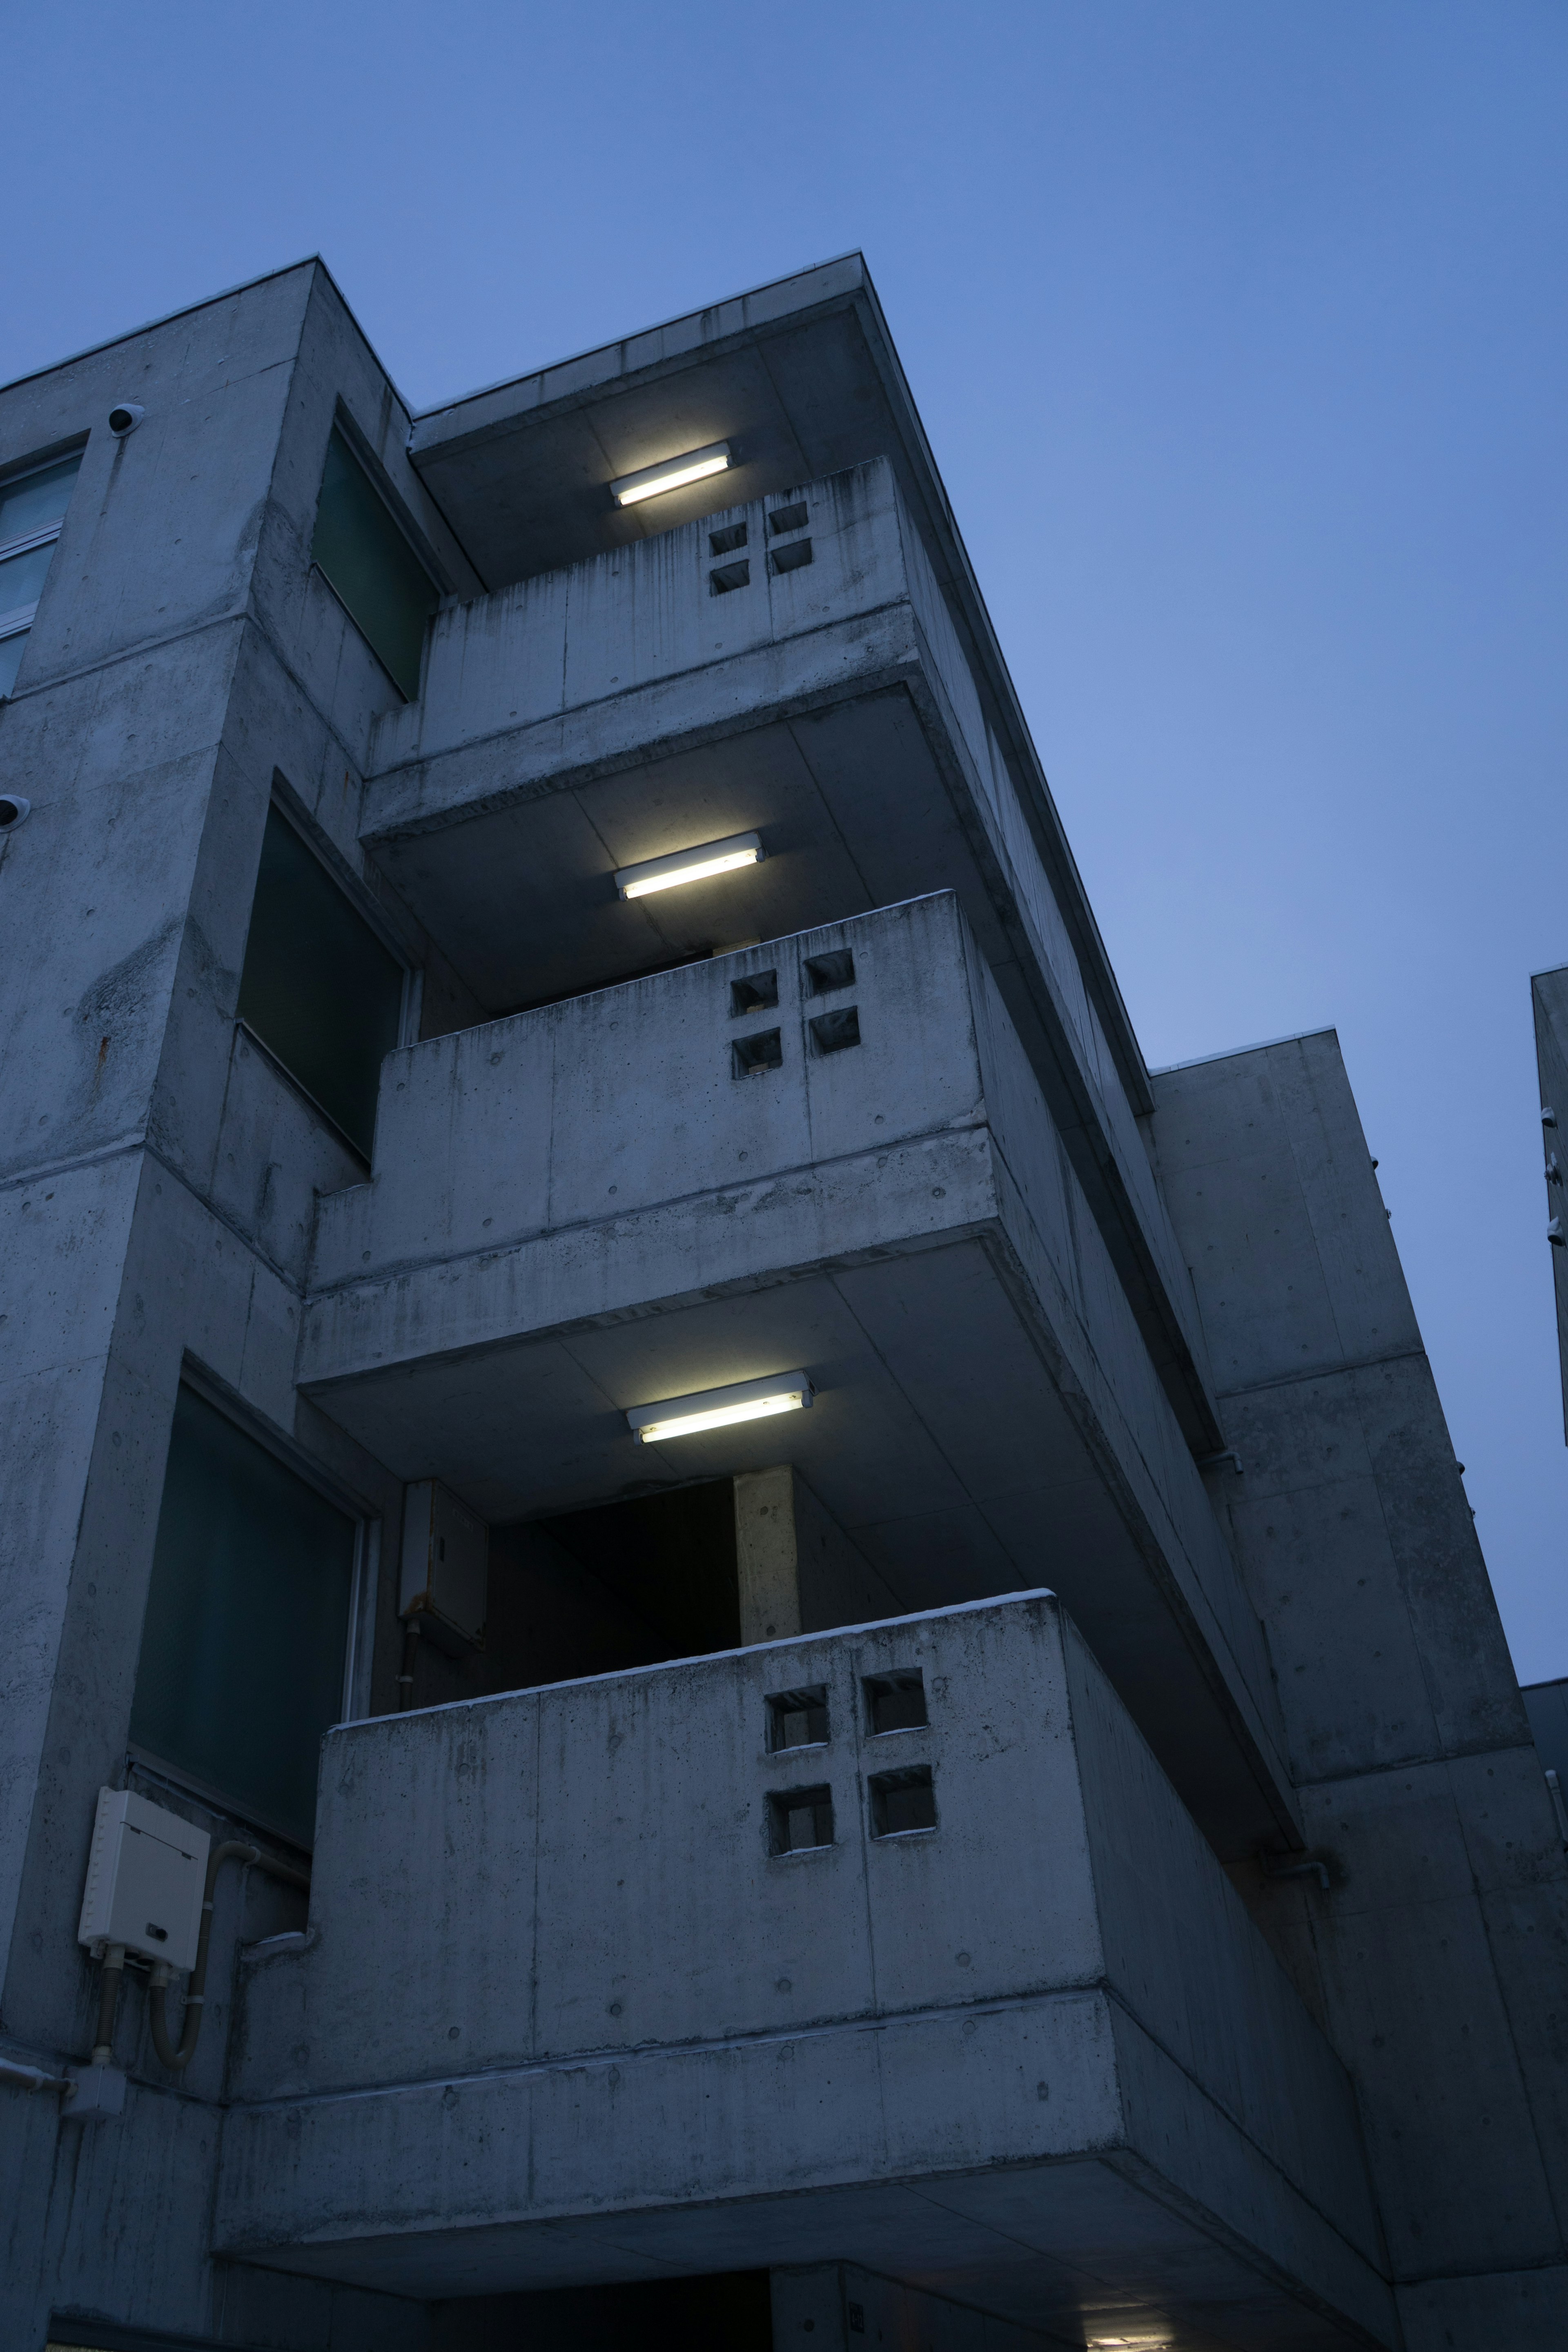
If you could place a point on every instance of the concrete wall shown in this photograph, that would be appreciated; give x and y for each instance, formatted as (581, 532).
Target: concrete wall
(567, 677)
(1436, 1958)
(156, 1184)
(431, 2104)
(596, 1165)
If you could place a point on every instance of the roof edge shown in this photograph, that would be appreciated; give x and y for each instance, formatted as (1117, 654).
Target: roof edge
(1234, 1053)
(655, 327)
(186, 311)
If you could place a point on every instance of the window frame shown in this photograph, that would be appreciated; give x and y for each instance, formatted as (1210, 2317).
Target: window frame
(330, 857)
(364, 453)
(358, 1642)
(19, 620)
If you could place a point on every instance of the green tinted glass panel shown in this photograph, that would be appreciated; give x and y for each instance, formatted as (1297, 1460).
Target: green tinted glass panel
(36, 501)
(317, 987)
(372, 566)
(242, 1649)
(22, 577)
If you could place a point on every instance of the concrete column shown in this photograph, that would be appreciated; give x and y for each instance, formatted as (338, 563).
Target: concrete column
(766, 1556)
(799, 1572)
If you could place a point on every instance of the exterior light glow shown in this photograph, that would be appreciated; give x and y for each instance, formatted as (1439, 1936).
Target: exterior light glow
(672, 475)
(690, 865)
(650, 1424)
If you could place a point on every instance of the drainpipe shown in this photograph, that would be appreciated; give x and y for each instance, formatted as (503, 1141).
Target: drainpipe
(177, 2059)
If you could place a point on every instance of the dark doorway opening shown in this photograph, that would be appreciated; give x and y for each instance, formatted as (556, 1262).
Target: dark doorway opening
(632, 1583)
(729, 2311)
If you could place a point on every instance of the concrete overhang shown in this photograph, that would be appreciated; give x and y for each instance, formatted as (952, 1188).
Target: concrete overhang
(802, 378)
(583, 1210)
(621, 709)
(562, 2016)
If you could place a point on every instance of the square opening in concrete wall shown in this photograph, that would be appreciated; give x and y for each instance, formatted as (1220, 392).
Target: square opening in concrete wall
(725, 542)
(832, 1032)
(758, 993)
(790, 517)
(749, 1057)
(790, 557)
(896, 1702)
(797, 1719)
(903, 1802)
(833, 969)
(729, 576)
(800, 1820)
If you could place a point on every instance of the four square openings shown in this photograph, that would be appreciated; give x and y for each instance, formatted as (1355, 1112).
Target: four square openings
(799, 1819)
(903, 1801)
(897, 1702)
(797, 1719)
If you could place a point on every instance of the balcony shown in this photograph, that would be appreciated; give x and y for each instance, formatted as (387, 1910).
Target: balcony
(591, 717)
(609, 1980)
(586, 1209)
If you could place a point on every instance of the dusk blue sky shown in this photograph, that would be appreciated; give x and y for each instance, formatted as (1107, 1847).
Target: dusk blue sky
(1239, 331)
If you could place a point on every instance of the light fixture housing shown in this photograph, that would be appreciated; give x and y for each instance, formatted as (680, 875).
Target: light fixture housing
(684, 1416)
(690, 865)
(672, 474)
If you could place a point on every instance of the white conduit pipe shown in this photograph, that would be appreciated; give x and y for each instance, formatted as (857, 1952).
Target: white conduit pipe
(33, 2078)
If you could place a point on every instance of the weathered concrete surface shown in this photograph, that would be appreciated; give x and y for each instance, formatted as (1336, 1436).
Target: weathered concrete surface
(1438, 1958)
(154, 1183)
(900, 1214)
(577, 1934)
(158, 1176)
(593, 718)
(1549, 1001)
(797, 1569)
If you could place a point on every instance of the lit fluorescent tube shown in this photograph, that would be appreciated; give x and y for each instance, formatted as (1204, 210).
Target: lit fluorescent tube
(650, 1424)
(672, 475)
(690, 865)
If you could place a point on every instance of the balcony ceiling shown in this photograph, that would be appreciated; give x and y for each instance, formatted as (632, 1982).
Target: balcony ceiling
(849, 802)
(938, 1441)
(799, 377)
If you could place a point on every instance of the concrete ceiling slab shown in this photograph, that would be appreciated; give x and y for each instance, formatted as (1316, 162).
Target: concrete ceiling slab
(523, 895)
(1070, 2248)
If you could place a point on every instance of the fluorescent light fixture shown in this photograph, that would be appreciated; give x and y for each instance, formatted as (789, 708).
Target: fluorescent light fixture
(650, 1424)
(673, 473)
(690, 865)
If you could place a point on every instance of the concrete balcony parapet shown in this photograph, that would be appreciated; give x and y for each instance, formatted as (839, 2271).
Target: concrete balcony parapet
(591, 717)
(827, 1153)
(600, 1981)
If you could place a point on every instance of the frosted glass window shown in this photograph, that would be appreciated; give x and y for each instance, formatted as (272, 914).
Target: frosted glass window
(372, 566)
(244, 1641)
(32, 509)
(317, 987)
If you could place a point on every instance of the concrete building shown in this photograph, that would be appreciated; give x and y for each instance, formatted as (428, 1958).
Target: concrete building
(818, 1642)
